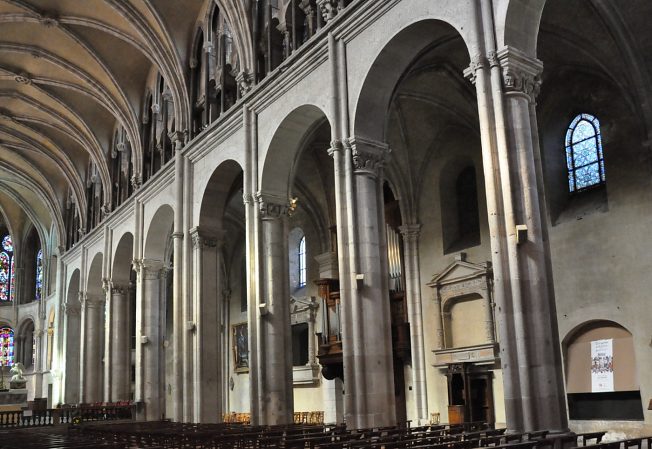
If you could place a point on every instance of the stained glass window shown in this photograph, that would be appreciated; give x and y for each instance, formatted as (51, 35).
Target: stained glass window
(6, 346)
(584, 157)
(39, 274)
(302, 262)
(7, 275)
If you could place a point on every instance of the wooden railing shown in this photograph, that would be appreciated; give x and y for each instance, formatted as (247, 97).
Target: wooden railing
(72, 415)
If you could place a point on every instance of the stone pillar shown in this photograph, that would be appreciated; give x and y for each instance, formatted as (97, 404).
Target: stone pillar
(410, 235)
(507, 83)
(368, 349)
(151, 338)
(120, 347)
(535, 316)
(490, 335)
(181, 362)
(92, 313)
(207, 295)
(71, 363)
(277, 396)
(108, 356)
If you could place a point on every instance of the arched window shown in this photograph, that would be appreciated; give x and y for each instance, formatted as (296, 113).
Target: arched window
(584, 157)
(6, 346)
(39, 274)
(302, 262)
(7, 275)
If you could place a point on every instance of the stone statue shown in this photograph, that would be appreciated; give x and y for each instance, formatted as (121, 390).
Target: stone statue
(17, 380)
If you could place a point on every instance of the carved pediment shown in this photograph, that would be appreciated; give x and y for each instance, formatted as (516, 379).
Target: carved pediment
(459, 271)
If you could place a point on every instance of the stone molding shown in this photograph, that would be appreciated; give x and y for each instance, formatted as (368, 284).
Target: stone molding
(150, 269)
(136, 181)
(70, 309)
(328, 8)
(245, 81)
(410, 232)
(93, 301)
(336, 146)
(178, 138)
(271, 206)
(478, 62)
(369, 156)
(521, 73)
(205, 239)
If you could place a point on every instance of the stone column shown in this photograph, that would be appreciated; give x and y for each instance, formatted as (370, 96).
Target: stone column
(92, 314)
(535, 318)
(180, 363)
(410, 235)
(277, 396)
(368, 349)
(108, 356)
(71, 363)
(490, 335)
(151, 338)
(120, 347)
(207, 295)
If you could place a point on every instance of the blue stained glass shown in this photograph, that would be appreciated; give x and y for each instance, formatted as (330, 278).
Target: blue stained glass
(6, 277)
(583, 131)
(584, 155)
(7, 244)
(39, 274)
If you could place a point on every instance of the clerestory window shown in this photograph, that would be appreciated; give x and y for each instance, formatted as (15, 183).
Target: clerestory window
(302, 262)
(584, 155)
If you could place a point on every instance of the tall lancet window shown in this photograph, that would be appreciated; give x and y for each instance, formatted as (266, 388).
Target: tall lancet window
(39, 274)
(584, 157)
(302, 262)
(7, 275)
(6, 346)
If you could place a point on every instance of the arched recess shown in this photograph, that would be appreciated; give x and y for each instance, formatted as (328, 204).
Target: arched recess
(24, 344)
(29, 252)
(156, 321)
(389, 68)
(71, 359)
(158, 234)
(601, 372)
(285, 148)
(219, 248)
(121, 321)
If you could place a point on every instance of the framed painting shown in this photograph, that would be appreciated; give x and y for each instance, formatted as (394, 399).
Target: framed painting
(240, 343)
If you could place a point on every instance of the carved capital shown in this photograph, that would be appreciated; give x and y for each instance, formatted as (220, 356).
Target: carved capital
(272, 206)
(203, 239)
(478, 62)
(247, 198)
(152, 269)
(521, 73)
(136, 181)
(92, 301)
(178, 138)
(328, 8)
(245, 80)
(410, 232)
(70, 309)
(106, 209)
(119, 290)
(336, 147)
(369, 156)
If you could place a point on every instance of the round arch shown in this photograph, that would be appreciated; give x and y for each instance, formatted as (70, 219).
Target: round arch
(285, 148)
(389, 67)
(158, 232)
(120, 269)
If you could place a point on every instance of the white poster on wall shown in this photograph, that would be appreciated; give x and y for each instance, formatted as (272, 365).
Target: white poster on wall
(602, 366)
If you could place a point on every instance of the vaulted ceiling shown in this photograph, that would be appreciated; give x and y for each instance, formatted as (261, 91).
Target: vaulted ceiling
(71, 72)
